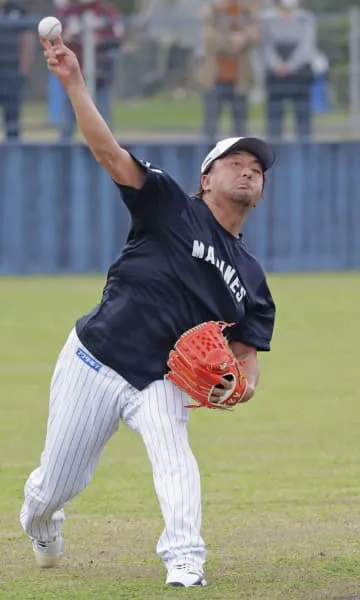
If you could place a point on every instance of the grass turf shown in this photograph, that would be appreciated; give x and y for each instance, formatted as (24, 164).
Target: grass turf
(280, 476)
(164, 114)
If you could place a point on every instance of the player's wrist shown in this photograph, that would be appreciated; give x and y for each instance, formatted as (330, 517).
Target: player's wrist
(248, 394)
(249, 388)
(76, 86)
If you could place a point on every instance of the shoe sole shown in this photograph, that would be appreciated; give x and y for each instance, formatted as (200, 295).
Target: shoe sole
(47, 562)
(200, 583)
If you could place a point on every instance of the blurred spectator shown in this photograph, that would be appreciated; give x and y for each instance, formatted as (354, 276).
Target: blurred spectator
(17, 49)
(226, 74)
(289, 46)
(170, 31)
(109, 34)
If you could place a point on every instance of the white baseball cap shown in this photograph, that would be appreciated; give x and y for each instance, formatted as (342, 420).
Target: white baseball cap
(259, 148)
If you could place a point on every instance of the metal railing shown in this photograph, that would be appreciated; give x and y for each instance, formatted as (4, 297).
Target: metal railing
(156, 92)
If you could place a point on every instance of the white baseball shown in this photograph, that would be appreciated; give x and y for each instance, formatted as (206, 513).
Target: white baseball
(50, 28)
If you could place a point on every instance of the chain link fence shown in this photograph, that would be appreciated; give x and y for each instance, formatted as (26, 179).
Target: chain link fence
(186, 78)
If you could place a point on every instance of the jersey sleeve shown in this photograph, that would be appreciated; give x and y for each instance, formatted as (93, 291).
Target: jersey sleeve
(256, 329)
(159, 199)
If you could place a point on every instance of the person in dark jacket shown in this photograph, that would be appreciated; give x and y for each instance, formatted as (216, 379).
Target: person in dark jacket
(17, 46)
(289, 48)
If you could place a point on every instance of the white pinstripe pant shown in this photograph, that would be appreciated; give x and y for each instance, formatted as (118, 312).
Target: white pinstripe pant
(85, 408)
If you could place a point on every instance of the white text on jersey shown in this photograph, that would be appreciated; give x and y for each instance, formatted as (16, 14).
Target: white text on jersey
(228, 272)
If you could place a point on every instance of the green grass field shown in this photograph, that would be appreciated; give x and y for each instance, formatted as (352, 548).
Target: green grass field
(280, 476)
(166, 115)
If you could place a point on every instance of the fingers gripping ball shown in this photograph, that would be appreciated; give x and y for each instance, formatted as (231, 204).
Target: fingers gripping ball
(50, 28)
(200, 360)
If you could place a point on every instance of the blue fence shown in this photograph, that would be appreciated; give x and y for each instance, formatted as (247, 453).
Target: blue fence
(59, 212)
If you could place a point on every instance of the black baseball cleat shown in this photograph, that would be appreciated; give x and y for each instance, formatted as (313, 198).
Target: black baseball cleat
(185, 576)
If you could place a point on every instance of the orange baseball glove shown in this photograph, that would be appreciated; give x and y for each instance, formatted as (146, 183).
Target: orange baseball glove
(200, 359)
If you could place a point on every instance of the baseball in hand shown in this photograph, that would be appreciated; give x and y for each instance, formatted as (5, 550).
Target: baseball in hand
(50, 28)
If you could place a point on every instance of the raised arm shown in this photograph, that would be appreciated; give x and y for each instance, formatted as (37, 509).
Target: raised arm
(108, 153)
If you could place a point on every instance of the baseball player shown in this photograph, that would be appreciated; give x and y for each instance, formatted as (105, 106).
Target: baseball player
(184, 264)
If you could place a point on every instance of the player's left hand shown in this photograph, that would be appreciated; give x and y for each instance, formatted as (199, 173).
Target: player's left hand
(203, 365)
(220, 390)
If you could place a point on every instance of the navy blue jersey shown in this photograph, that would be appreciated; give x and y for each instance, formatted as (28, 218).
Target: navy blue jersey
(179, 268)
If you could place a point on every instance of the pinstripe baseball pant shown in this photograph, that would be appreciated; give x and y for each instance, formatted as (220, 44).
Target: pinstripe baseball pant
(87, 402)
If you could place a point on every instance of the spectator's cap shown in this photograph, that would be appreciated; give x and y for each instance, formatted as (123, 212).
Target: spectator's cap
(259, 148)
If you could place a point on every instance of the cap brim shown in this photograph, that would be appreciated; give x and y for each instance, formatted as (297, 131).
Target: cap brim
(259, 148)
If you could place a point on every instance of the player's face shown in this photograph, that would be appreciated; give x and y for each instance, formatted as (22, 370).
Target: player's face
(237, 177)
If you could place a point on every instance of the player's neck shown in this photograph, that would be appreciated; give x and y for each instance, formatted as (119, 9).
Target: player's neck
(229, 216)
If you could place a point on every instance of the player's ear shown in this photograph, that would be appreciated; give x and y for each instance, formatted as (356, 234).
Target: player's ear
(205, 182)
